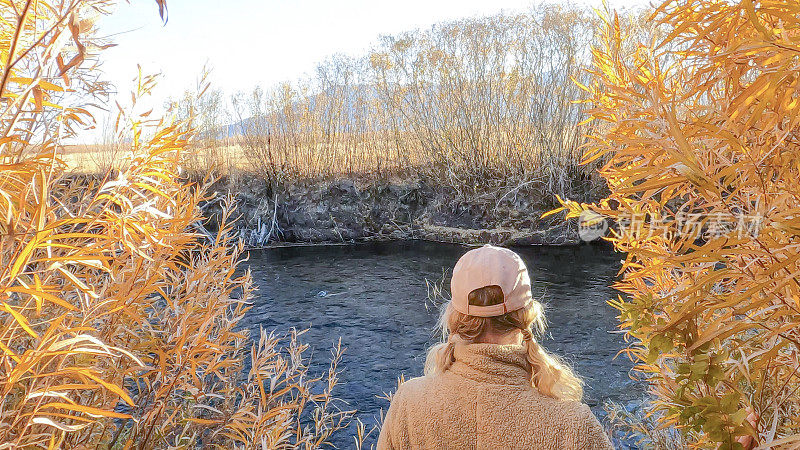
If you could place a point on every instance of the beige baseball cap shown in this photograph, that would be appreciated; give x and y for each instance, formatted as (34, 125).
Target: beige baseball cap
(490, 266)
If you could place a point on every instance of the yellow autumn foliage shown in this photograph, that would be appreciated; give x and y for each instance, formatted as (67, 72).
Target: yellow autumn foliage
(700, 130)
(118, 318)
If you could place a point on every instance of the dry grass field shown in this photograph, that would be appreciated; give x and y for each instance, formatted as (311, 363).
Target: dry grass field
(98, 158)
(229, 158)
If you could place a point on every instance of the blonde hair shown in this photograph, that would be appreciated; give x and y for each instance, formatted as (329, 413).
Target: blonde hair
(549, 375)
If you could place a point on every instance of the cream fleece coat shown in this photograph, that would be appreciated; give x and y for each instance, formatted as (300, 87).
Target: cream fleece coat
(486, 401)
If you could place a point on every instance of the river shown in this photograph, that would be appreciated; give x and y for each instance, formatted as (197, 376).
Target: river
(375, 297)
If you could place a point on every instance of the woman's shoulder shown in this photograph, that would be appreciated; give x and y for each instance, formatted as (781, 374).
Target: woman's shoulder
(566, 409)
(413, 386)
(422, 389)
(579, 417)
(576, 420)
(578, 410)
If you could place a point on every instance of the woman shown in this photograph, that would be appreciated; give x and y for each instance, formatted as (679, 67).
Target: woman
(490, 385)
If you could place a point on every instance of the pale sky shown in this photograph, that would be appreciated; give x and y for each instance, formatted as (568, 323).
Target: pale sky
(264, 42)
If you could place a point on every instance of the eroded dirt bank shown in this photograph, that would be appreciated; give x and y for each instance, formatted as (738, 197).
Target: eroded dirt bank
(345, 211)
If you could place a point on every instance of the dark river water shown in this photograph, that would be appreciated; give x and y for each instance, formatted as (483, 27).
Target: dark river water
(375, 297)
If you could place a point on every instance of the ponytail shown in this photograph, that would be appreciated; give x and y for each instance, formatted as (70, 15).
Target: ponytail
(441, 356)
(549, 375)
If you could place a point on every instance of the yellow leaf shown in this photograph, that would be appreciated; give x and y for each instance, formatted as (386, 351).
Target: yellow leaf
(91, 411)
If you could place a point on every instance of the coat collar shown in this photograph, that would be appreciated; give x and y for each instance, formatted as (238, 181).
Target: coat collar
(492, 363)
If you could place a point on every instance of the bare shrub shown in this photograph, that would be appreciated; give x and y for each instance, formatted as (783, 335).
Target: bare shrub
(480, 106)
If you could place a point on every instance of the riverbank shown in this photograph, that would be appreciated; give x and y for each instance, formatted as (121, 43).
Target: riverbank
(392, 209)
